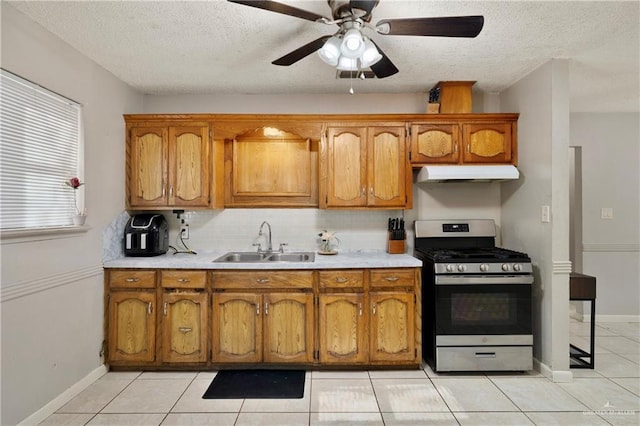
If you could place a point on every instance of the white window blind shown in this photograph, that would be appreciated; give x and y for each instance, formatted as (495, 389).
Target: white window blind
(40, 150)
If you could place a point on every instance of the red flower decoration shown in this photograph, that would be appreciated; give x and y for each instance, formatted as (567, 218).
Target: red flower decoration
(74, 182)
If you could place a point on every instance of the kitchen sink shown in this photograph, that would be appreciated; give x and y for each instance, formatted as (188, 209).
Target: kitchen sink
(253, 257)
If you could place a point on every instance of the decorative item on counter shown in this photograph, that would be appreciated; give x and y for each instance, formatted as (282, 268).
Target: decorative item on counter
(81, 215)
(396, 236)
(329, 243)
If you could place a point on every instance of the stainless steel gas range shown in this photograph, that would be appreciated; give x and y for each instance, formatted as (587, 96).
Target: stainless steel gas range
(477, 298)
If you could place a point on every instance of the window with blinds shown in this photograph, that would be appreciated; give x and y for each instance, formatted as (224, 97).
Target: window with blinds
(40, 150)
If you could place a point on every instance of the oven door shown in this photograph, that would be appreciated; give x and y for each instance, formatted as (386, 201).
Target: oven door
(483, 306)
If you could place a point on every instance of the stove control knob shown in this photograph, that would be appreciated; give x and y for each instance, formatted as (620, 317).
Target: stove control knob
(462, 268)
(484, 267)
(505, 266)
(449, 268)
(517, 267)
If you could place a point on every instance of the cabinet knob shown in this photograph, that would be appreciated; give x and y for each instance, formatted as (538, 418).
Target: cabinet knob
(266, 308)
(360, 309)
(164, 309)
(257, 309)
(374, 309)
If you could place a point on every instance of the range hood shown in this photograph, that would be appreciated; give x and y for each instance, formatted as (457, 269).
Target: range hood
(484, 173)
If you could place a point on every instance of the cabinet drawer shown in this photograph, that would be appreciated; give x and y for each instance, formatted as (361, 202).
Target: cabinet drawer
(341, 279)
(126, 278)
(262, 279)
(392, 278)
(183, 279)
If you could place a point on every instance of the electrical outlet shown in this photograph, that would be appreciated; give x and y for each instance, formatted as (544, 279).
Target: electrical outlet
(606, 213)
(184, 231)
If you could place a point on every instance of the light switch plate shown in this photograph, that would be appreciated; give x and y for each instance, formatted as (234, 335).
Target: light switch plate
(545, 214)
(606, 213)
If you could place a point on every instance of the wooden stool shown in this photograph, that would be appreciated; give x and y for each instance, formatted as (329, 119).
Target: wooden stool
(583, 288)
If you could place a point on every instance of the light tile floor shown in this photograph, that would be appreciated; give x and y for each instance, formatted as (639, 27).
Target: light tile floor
(609, 394)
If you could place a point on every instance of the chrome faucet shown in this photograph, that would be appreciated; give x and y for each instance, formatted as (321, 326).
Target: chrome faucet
(269, 246)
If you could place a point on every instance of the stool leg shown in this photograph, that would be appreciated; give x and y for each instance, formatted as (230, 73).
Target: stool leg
(593, 334)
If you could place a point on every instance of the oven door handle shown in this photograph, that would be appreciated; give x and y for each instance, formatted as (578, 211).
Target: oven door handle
(479, 280)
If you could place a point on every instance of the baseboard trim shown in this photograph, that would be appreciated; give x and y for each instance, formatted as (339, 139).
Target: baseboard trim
(559, 376)
(613, 318)
(66, 396)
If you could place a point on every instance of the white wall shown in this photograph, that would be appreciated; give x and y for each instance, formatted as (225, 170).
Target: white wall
(611, 179)
(51, 290)
(542, 100)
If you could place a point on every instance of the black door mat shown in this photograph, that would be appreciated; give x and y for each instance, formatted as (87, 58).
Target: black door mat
(246, 384)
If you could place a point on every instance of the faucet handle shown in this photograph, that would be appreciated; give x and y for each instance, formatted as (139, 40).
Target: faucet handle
(259, 247)
(282, 247)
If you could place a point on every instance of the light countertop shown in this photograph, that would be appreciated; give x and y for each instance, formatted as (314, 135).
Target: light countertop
(205, 260)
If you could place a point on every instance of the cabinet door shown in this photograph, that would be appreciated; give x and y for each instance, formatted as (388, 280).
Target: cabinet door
(435, 144)
(346, 167)
(184, 327)
(392, 327)
(132, 326)
(148, 151)
(342, 336)
(487, 143)
(237, 327)
(189, 166)
(387, 167)
(288, 327)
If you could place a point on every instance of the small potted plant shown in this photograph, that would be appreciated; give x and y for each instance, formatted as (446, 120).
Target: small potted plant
(81, 215)
(329, 243)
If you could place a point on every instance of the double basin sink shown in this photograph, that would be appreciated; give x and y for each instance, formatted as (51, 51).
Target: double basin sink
(253, 257)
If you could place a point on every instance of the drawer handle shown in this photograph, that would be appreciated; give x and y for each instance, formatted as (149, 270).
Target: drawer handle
(341, 280)
(262, 280)
(184, 280)
(185, 330)
(485, 354)
(132, 280)
(392, 279)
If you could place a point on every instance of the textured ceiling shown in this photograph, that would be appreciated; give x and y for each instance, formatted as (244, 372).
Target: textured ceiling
(177, 47)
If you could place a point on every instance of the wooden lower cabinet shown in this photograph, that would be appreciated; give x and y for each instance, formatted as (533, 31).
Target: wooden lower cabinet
(132, 326)
(272, 327)
(342, 329)
(392, 334)
(184, 327)
(180, 319)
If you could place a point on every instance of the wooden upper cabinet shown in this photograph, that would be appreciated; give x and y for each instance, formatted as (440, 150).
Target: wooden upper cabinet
(148, 150)
(487, 143)
(435, 143)
(366, 167)
(189, 166)
(347, 167)
(465, 139)
(168, 165)
(269, 167)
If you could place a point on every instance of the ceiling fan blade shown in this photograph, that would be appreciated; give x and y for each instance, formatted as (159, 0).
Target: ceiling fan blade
(384, 67)
(366, 5)
(285, 9)
(301, 52)
(453, 26)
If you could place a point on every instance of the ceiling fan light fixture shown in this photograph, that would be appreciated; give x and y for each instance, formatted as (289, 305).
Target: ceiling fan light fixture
(347, 64)
(352, 44)
(330, 51)
(370, 55)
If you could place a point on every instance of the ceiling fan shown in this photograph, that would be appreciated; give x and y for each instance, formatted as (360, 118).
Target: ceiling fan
(350, 50)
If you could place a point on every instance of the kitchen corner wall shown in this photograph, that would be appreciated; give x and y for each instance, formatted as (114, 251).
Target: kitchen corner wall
(611, 179)
(51, 288)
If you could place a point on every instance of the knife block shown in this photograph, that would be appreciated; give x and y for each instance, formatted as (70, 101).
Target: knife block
(395, 246)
